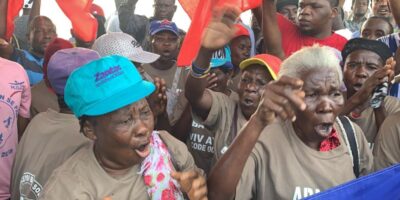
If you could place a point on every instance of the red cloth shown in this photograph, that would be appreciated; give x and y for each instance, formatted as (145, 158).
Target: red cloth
(84, 24)
(331, 142)
(293, 40)
(13, 8)
(200, 13)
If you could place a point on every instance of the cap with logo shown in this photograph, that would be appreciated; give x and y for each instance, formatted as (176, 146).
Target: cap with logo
(105, 85)
(222, 58)
(125, 45)
(272, 63)
(157, 26)
(63, 62)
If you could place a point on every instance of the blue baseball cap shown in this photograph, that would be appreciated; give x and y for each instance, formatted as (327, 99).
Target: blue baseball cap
(105, 85)
(222, 58)
(163, 25)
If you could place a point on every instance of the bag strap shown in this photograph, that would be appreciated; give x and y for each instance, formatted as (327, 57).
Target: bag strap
(352, 142)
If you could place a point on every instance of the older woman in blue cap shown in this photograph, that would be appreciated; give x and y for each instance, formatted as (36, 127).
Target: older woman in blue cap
(127, 158)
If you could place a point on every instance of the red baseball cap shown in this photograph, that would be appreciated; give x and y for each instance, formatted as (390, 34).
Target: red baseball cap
(272, 63)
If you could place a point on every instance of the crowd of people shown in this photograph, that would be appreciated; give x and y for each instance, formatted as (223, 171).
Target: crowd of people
(303, 99)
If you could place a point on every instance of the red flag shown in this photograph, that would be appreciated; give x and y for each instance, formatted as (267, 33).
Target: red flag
(84, 24)
(13, 8)
(200, 13)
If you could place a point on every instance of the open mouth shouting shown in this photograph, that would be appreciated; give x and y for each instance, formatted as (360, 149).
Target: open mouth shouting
(143, 150)
(324, 129)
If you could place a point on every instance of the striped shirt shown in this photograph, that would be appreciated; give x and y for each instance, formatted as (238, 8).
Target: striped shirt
(32, 64)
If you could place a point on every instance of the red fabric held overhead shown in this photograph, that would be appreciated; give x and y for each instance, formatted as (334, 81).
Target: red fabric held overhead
(200, 11)
(84, 24)
(13, 8)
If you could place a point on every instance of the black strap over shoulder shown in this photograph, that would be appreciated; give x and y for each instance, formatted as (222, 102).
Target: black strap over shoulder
(350, 134)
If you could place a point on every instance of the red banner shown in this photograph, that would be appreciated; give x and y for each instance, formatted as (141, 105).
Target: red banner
(200, 13)
(84, 24)
(13, 8)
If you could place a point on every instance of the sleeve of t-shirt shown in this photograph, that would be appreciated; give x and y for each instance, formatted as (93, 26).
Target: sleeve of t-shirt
(387, 145)
(365, 154)
(247, 184)
(284, 24)
(216, 111)
(24, 109)
(392, 105)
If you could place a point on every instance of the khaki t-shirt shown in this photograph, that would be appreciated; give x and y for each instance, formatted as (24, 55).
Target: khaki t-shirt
(50, 139)
(220, 121)
(81, 177)
(367, 121)
(387, 144)
(175, 79)
(201, 142)
(281, 166)
(42, 99)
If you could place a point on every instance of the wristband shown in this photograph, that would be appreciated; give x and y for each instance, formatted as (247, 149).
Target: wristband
(198, 70)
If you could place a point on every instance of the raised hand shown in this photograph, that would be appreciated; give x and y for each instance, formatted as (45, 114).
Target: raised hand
(380, 76)
(158, 100)
(193, 183)
(221, 29)
(212, 81)
(281, 98)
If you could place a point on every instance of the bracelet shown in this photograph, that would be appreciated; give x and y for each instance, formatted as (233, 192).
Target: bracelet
(199, 70)
(196, 75)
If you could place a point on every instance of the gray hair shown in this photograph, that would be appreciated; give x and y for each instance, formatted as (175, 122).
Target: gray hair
(310, 58)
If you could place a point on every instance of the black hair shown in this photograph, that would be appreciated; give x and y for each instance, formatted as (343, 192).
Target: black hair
(83, 119)
(33, 22)
(386, 19)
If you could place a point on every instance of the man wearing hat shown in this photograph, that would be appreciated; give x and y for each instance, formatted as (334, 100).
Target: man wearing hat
(126, 159)
(138, 25)
(200, 140)
(368, 66)
(242, 48)
(52, 136)
(217, 111)
(165, 41)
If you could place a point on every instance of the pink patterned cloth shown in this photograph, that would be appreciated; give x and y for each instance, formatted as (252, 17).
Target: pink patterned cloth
(156, 171)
